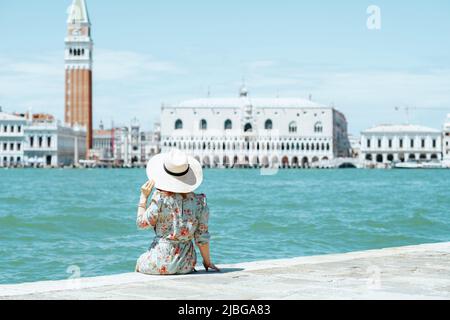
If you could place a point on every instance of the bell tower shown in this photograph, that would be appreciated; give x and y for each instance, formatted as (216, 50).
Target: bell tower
(78, 67)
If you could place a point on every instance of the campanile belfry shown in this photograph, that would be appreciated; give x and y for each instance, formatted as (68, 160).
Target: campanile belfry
(78, 65)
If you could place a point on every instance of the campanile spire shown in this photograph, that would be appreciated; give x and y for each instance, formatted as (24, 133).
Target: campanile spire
(78, 12)
(78, 65)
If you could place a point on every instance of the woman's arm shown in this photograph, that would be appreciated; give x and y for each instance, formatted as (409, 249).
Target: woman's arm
(146, 190)
(202, 237)
(204, 250)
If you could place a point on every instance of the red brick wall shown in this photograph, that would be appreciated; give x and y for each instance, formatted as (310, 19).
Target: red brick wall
(80, 109)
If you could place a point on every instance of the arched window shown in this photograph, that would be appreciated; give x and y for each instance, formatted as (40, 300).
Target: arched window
(82, 52)
(293, 127)
(268, 125)
(178, 125)
(70, 51)
(318, 127)
(248, 127)
(228, 125)
(203, 124)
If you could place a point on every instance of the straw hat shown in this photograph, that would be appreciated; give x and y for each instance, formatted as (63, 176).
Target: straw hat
(175, 172)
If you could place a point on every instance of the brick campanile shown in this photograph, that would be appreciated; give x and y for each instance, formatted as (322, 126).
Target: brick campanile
(78, 66)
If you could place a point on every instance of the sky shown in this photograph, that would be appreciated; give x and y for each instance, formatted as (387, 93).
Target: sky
(166, 51)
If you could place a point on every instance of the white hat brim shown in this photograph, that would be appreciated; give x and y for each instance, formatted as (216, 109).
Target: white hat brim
(166, 182)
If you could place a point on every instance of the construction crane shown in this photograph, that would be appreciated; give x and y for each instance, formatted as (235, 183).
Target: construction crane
(408, 109)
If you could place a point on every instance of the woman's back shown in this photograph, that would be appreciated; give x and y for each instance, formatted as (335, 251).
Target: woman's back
(180, 217)
(177, 219)
(177, 215)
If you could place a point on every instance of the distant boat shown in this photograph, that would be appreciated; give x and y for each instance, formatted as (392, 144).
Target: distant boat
(433, 165)
(408, 165)
(418, 165)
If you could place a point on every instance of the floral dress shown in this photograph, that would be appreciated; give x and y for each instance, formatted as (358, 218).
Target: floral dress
(178, 220)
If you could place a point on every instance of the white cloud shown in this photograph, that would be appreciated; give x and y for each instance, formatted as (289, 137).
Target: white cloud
(428, 88)
(124, 82)
(129, 84)
(367, 97)
(121, 65)
(261, 64)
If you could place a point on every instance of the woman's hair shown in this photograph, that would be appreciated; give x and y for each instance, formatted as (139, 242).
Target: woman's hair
(170, 194)
(166, 193)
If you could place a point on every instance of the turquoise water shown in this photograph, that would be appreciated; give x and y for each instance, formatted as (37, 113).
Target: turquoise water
(53, 219)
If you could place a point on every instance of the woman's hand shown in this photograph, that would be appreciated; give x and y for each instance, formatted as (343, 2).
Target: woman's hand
(147, 188)
(210, 265)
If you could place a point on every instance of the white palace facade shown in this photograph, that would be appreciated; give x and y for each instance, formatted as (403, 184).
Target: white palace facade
(446, 142)
(385, 144)
(247, 132)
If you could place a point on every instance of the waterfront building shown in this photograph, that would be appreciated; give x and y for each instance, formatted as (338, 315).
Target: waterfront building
(120, 147)
(355, 146)
(49, 143)
(126, 145)
(246, 131)
(78, 70)
(103, 144)
(11, 139)
(385, 144)
(446, 142)
(150, 142)
(134, 145)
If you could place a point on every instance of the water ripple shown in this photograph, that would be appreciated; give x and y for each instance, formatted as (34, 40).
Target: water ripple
(52, 219)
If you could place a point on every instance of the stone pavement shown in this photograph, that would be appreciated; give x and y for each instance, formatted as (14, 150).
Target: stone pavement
(415, 272)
